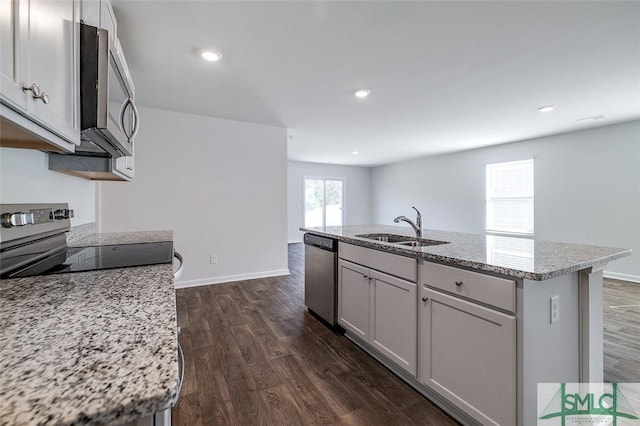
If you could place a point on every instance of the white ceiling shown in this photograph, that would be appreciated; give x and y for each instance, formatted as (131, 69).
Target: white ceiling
(444, 76)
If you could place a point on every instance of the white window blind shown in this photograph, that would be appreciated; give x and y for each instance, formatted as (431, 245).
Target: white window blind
(510, 197)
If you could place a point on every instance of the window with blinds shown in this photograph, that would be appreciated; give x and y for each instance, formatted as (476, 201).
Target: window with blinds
(510, 197)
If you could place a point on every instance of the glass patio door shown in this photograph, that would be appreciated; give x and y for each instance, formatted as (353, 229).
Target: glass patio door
(323, 202)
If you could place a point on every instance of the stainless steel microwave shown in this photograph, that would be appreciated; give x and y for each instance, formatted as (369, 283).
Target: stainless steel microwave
(108, 115)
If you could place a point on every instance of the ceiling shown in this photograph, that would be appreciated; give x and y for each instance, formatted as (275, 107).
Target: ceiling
(444, 76)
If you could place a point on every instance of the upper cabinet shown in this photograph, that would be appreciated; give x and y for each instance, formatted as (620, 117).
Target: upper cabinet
(39, 74)
(90, 12)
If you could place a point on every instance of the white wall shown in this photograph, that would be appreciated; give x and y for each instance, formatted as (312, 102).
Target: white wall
(25, 178)
(220, 185)
(356, 192)
(587, 189)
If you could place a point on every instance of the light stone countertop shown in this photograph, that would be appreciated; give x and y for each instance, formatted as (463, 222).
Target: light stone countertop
(111, 238)
(95, 347)
(512, 256)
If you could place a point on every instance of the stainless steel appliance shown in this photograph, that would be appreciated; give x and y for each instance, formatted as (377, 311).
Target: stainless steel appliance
(321, 277)
(108, 115)
(33, 242)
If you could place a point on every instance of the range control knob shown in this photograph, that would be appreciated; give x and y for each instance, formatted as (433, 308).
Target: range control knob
(62, 214)
(9, 220)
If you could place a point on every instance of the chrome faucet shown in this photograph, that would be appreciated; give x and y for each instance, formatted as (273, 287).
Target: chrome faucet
(416, 226)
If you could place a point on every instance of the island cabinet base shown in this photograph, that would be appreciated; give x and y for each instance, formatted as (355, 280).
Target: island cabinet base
(468, 355)
(476, 343)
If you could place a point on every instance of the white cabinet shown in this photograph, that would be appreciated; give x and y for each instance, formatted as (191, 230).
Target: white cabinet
(394, 319)
(108, 21)
(40, 69)
(10, 84)
(468, 351)
(379, 309)
(125, 166)
(90, 12)
(354, 307)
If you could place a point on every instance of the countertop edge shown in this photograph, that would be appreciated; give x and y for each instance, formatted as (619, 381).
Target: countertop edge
(448, 260)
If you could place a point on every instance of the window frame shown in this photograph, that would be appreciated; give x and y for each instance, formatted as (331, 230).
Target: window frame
(488, 199)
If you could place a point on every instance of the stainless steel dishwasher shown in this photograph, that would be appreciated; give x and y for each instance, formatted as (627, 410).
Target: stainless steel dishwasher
(321, 277)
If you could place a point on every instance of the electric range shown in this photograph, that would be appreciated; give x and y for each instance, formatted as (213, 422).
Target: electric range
(33, 242)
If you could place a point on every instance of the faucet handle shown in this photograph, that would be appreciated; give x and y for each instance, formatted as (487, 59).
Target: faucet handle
(418, 220)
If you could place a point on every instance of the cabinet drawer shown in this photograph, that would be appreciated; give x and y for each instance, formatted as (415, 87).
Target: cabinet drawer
(498, 292)
(399, 266)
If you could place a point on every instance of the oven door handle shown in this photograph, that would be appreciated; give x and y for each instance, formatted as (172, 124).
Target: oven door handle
(181, 368)
(178, 271)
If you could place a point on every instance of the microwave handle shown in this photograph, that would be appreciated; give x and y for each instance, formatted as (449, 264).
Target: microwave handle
(136, 118)
(123, 108)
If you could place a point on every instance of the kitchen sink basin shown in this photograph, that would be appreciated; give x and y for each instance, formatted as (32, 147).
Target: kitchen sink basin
(402, 240)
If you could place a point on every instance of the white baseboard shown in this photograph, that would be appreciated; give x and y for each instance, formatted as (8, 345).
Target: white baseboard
(231, 278)
(294, 241)
(623, 277)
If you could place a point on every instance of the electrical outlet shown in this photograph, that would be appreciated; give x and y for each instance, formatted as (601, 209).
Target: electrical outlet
(555, 309)
(213, 259)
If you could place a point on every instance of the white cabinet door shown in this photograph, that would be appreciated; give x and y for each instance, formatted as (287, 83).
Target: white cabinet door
(90, 12)
(353, 298)
(394, 319)
(125, 166)
(468, 355)
(108, 21)
(11, 91)
(49, 57)
(39, 51)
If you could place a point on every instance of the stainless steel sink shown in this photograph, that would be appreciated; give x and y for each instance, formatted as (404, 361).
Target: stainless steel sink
(402, 240)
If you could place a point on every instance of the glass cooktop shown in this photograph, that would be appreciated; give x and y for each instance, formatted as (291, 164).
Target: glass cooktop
(82, 259)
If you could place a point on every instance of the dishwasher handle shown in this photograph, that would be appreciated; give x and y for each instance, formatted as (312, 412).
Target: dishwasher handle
(323, 243)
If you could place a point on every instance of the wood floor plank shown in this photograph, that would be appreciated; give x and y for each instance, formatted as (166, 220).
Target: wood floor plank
(282, 408)
(187, 411)
(621, 302)
(314, 407)
(254, 356)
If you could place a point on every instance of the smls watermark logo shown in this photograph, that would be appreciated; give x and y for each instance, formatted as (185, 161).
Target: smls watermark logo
(588, 404)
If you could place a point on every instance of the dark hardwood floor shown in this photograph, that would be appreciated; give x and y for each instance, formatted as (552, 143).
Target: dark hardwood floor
(621, 332)
(254, 356)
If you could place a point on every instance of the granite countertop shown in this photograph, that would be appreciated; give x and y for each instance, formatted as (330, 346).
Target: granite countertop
(112, 238)
(512, 256)
(94, 347)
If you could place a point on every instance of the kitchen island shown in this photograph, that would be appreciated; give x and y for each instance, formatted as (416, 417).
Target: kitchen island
(474, 322)
(95, 347)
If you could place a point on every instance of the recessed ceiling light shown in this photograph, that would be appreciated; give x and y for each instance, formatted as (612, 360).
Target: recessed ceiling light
(546, 108)
(211, 55)
(362, 93)
(355, 152)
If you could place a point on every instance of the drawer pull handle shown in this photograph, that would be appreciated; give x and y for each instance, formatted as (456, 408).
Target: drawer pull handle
(424, 299)
(459, 283)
